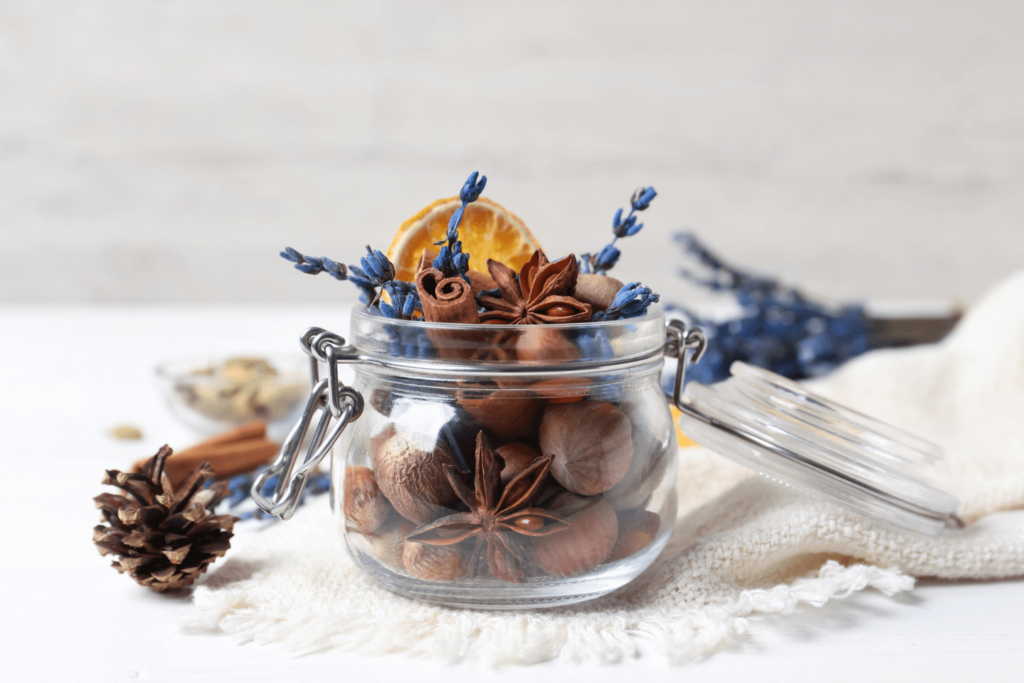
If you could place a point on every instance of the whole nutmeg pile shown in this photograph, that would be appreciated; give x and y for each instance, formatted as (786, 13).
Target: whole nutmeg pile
(558, 498)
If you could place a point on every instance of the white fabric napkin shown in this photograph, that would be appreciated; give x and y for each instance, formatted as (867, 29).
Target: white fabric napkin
(741, 544)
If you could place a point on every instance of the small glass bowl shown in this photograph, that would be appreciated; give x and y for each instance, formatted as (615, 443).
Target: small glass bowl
(212, 394)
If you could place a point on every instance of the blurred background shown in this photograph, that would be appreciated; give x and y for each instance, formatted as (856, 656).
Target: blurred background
(155, 152)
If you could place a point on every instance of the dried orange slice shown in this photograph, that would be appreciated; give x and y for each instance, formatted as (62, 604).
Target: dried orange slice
(487, 231)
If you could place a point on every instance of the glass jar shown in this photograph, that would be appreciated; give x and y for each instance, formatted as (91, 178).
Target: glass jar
(507, 466)
(492, 466)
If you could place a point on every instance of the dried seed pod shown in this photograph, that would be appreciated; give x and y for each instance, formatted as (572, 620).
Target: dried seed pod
(364, 505)
(433, 562)
(412, 478)
(653, 451)
(517, 456)
(597, 290)
(593, 528)
(591, 444)
(389, 540)
(508, 414)
(637, 530)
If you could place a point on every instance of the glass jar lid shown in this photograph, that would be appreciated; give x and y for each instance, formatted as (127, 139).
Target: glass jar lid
(780, 430)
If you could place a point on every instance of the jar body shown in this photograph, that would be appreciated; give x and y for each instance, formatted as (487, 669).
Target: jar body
(509, 490)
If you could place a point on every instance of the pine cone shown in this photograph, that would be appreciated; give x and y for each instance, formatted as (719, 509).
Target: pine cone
(162, 538)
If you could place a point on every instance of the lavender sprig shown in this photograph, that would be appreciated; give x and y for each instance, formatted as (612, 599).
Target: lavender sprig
(376, 272)
(605, 260)
(313, 265)
(451, 261)
(631, 301)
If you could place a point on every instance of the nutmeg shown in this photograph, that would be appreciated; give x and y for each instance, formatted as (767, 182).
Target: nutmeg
(509, 414)
(389, 540)
(593, 528)
(433, 562)
(364, 505)
(517, 456)
(412, 478)
(543, 343)
(637, 530)
(597, 290)
(591, 444)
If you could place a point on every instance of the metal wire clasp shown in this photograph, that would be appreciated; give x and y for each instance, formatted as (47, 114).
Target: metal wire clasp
(335, 401)
(680, 340)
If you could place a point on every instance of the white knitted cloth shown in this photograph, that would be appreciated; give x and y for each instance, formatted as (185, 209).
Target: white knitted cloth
(741, 544)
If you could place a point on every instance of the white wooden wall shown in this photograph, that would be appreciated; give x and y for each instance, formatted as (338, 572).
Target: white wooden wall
(165, 151)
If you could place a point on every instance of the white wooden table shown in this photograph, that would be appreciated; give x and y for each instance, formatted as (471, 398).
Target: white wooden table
(71, 374)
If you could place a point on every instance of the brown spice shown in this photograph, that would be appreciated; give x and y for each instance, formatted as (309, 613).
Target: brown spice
(389, 540)
(637, 530)
(517, 457)
(542, 293)
(593, 529)
(478, 281)
(498, 515)
(412, 478)
(236, 451)
(364, 505)
(597, 290)
(126, 433)
(508, 414)
(543, 343)
(433, 562)
(590, 442)
(446, 300)
(562, 390)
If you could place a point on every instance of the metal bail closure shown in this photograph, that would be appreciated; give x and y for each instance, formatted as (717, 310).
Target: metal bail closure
(777, 428)
(335, 401)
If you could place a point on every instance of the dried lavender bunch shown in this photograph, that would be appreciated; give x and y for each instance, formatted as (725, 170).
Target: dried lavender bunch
(451, 261)
(375, 275)
(631, 301)
(779, 330)
(605, 260)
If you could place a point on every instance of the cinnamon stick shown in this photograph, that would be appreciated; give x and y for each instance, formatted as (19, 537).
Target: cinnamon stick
(478, 281)
(426, 260)
(446, 300)
(238, 450)
(227, 460)
(257, 429)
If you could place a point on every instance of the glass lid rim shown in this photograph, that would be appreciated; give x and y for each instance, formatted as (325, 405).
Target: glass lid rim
(943, 506)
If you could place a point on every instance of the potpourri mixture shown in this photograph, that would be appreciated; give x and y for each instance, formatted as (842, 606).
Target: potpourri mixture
(508, 480)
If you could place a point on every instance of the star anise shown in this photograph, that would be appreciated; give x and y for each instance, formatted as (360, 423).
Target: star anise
(495, 516)
(541, 294)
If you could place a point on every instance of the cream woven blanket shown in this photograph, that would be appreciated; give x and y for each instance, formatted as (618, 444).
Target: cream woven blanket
(741, 545)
